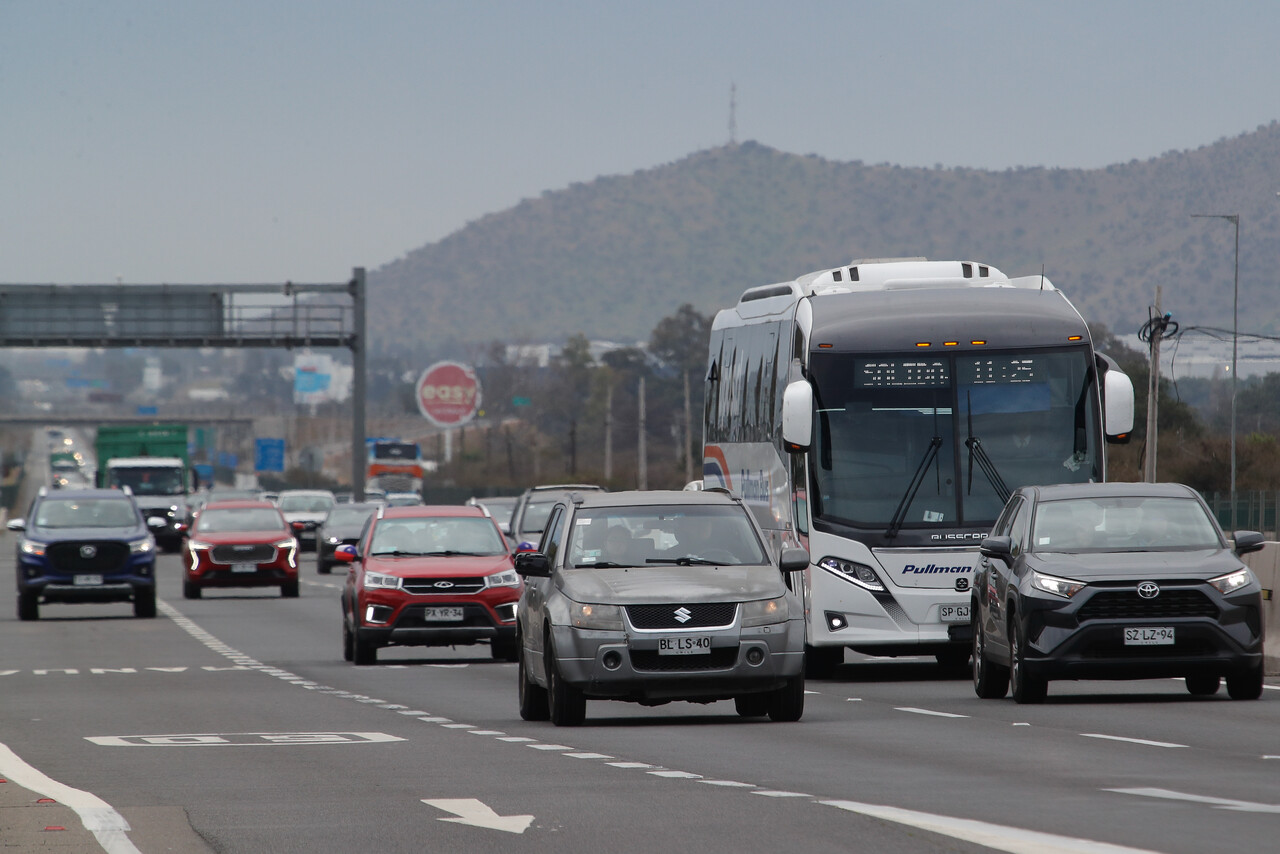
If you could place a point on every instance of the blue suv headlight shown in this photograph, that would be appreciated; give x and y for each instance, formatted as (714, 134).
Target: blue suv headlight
(35, 548)
(146, 545)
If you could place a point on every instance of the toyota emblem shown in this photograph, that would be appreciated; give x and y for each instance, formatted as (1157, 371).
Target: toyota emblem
(1148, 590)
(443, 585)
(88, 552)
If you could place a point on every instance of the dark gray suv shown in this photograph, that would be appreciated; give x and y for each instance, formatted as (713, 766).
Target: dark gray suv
(651, 597)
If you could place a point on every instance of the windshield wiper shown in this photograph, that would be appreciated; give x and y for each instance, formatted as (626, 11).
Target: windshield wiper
(976, 451)
(900, 515)
(604, 564)
(694, 560)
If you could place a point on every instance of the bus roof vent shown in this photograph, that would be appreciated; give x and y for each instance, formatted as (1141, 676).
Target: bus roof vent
(785, 289)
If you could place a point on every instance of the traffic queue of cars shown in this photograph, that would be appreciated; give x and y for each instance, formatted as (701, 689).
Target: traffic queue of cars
(657, 596)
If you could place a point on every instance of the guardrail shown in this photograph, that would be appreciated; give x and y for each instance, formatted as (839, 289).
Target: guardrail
(1266, 565)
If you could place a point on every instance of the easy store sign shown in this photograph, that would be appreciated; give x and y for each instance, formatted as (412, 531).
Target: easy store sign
(448, 394)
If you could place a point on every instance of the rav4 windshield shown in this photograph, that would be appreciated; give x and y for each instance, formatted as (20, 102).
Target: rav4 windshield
(933, 440)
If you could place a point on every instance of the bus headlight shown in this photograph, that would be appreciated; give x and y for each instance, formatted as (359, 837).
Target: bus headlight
(859, 573)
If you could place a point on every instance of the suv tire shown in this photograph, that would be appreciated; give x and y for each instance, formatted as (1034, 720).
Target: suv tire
(144, 602)
(1025, 689)
(786, 704)
(191, 590)
(28, 605)
(534, 705)
(568, 705)
(990, 680)
(1246, 684)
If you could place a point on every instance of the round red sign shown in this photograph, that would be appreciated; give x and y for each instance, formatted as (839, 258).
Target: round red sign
(448, 394)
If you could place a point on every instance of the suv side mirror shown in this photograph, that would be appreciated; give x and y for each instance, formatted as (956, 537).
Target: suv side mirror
(533, 564)
(346, 553)
(997, 547)
(17, 525)
(1248, 541)
(794, 560)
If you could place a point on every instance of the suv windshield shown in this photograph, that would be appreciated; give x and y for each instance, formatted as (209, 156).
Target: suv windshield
(670, 534)
(1122, 524)
(219, 520)
(86, 513)
(453, 535)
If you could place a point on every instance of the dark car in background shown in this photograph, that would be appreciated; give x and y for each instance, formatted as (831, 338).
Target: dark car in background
(85, 545)
(1114, 581)
(532, 508)
(305, 509)
(500, 507)
(341, 527)
(429, 576)
(240, 544)
(651, 597)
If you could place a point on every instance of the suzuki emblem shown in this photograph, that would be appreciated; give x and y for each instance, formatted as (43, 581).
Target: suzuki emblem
(1148, 590)
(683, 615)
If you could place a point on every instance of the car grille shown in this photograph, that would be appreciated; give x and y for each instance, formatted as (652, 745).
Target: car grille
(1128, 605)
(443, 586)
(244, 553)
(107, 556)
(649, 661)
(703, 616)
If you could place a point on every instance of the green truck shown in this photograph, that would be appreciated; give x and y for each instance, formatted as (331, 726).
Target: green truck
(153, 461)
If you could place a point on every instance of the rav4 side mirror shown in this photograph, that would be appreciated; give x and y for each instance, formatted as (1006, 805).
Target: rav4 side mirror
(997, 547)
(1248, 541)
(533, 564)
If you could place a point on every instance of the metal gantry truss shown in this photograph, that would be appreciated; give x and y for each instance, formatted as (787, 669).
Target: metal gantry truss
(288, 315)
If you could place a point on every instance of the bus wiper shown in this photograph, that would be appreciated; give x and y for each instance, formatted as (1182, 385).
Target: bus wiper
(976, 451)
(900, 515)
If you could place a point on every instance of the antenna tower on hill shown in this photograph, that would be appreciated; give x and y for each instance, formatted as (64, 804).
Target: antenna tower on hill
(733, 113)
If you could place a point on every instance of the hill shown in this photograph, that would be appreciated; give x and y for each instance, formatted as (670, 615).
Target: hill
(611, 257)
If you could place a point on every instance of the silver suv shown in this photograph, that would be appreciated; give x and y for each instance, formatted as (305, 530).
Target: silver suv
(651, 597)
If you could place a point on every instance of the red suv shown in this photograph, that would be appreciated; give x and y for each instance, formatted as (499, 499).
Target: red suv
(240, 544)
(429, 576)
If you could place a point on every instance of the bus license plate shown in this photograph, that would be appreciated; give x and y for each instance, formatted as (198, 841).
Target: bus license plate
(1149, 636)
(244, 567)
(87, 580)
(442, 615)
(953, 613)
(700, 645)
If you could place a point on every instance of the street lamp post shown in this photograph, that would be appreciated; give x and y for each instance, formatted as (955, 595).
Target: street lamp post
(1234, 219)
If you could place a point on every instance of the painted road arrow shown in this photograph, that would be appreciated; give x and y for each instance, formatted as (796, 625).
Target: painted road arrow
(478, 814)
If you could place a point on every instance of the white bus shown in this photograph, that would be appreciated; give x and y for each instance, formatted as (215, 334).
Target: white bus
(879, 414)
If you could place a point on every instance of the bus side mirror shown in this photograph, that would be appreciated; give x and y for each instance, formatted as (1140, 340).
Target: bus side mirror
(797, 416)
(1117, 401)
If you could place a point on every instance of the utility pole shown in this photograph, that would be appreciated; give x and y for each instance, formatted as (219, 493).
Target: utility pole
(688, 431)
(608, 431)
(642, 465)
(1153, 394)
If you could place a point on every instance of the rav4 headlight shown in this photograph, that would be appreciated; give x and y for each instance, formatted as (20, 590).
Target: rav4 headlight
(1064, 587)
(378, 581)
(765, 612)
(1232, 581)
(585, 615)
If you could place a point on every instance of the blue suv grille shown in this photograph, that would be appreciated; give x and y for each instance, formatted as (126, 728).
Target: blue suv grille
(93, 556)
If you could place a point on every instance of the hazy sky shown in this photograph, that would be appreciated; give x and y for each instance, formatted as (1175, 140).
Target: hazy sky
(260, 140)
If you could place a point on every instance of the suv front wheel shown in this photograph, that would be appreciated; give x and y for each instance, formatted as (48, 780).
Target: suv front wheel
(28, 605)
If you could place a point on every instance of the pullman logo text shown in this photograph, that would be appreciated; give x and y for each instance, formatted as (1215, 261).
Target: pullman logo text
(933, 569)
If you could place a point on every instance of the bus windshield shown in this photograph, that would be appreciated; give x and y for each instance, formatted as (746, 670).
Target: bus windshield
(939, 441)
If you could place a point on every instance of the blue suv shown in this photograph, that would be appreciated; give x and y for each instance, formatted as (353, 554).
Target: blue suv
(85, 545)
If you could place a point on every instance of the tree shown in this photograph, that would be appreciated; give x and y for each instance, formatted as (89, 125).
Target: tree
(680, 343)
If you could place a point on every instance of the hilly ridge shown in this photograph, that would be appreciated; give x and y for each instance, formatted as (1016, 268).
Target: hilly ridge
(612, 256)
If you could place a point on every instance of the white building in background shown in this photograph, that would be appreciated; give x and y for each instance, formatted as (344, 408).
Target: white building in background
(1201, 356)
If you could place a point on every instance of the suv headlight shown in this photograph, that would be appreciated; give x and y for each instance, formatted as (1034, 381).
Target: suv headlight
(1232, 581)
(378, 581)
(146, 545)
(585, 615)
(860, 574)
(764, 612)
(506, 578)
(1064, 587)
(33, 548)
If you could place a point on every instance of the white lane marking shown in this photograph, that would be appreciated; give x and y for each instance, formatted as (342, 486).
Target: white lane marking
(241, 739)
(1011, 839)
(549, 746)
(777, 793)
(414, 712)
(676, 775)
(853, 699)
(517, 739)
(916, 711)
(629, 764)
(1145, 741)
(479, 814)
(435, 720)
(458, 726)
(97, 816)
(734, 784)
(485, 732)
(588, 755)
(1217, 803)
